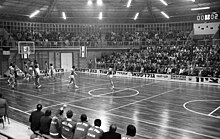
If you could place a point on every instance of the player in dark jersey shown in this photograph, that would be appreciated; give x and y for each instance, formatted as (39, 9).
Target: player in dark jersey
(72, 77)
(31, 70)
(81, 128)
(46, 69)
(11, 79)
(95, 132)
(26, 71)
(110, 74)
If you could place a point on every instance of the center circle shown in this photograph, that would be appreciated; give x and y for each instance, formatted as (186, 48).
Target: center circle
(113, 92)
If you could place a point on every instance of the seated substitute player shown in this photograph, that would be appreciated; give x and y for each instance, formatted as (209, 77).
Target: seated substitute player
(68, 126)
(82, 128)
(72, 77)
(110, 74)
(55, 126)
(95, 132)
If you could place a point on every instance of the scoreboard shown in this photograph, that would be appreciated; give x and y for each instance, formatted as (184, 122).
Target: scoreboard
(208, 17)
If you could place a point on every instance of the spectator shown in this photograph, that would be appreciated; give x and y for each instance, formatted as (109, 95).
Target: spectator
(95, 132)
(45, 122)
(55, 126)
(111, 134)
(3, 107)
(131, 132)
(35, 117)
(81, 128)
(68, 126)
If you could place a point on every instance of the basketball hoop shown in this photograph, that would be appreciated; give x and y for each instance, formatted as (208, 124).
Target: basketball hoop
(25, 48)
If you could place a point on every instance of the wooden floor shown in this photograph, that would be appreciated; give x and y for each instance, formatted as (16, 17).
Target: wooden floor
(158, 109)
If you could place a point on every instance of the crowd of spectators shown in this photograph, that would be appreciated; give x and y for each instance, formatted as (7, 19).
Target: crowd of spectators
(160, 52)
(95, 38)
(188, 59)
(66, 127)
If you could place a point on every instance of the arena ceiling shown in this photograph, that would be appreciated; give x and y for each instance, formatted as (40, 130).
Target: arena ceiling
(114, 11)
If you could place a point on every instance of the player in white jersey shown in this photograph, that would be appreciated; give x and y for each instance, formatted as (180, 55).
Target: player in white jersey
(72, 77)
(37, 76)
(52, 71)
(110, 74)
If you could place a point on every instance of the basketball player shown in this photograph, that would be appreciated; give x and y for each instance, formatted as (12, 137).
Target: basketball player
(10, 71)
(72, 77)
(31, 69)
(37, 76)
(52, 71)
(26, 71)
(46, 69)
(15, 74)
(11, 79)
(110, 74)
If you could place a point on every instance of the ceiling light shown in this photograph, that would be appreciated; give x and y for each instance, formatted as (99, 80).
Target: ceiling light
(34, 13)
(89, 2)
(136, 16)
(200, 8)
(129, 3)
(100, 16)
(193, 0)
(164, 14)
(64, 15)
(99, 2)
(164, 2)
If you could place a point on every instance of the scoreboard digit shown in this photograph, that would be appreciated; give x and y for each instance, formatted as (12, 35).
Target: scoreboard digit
(207, 17)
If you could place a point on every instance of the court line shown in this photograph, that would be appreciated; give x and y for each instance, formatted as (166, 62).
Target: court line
(89, 97)
(19, 110)
(199, 90)
(142, 100)
(78, 89)
(148, 122)
(19, 92)
(141, 121)
(214, 111)
(199, 113)
(93, 96)
(137, 92)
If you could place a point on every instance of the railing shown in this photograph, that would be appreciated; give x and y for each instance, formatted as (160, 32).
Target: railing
(96, 44)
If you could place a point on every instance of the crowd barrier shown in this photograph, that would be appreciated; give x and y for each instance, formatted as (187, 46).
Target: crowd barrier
(168, 77)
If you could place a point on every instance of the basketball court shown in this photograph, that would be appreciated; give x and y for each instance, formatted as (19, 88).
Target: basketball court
(158, 109)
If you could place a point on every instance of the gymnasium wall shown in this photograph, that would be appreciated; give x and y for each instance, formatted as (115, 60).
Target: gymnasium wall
(53, 56)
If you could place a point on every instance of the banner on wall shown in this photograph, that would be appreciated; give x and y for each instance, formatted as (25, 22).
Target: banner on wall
(206, 28)
(207, 80)
(123, 73)
(178, 77)
(143, 75)
(83, 51)
(163, 76)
